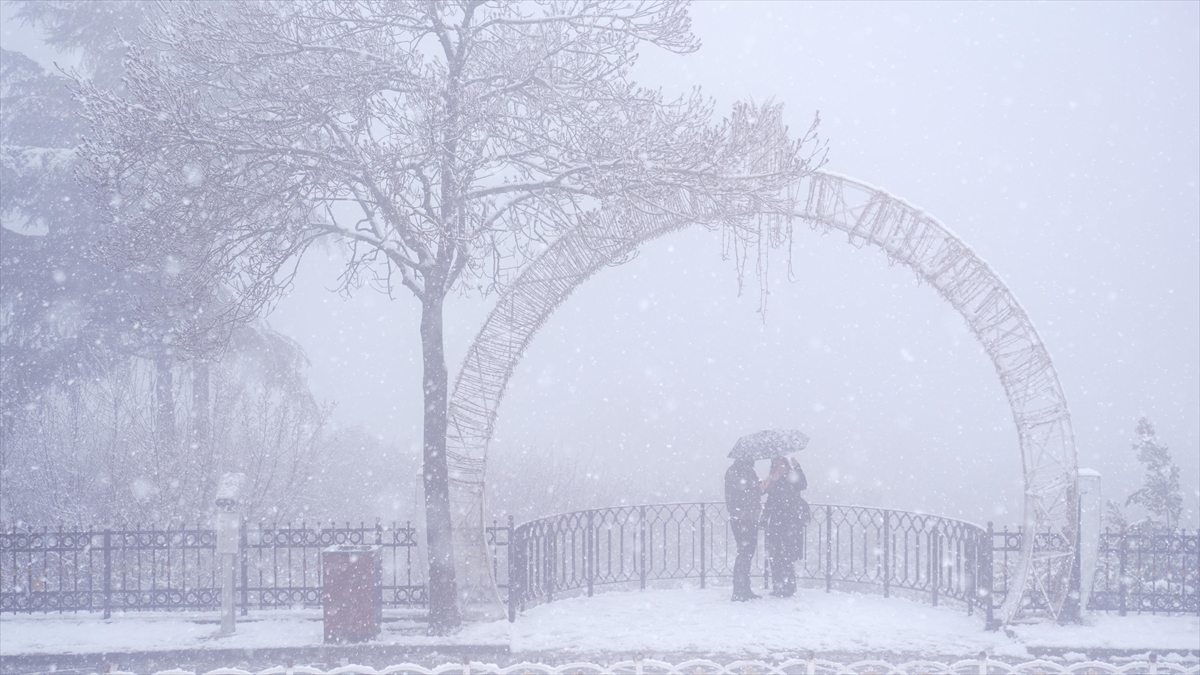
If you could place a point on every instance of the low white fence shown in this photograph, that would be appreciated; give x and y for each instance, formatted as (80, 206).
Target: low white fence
(981, 666)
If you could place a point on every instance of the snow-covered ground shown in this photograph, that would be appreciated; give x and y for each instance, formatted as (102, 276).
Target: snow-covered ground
(704, 621)
(678, 621)
(173, 631)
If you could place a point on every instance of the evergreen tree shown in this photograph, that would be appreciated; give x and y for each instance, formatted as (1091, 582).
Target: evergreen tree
(64, 314)
(58, 316)
(105, 382)
(1160, 494)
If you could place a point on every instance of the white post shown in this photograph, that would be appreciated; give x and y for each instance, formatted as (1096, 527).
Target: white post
(1090, 515)
(228, 530)
(227, 550)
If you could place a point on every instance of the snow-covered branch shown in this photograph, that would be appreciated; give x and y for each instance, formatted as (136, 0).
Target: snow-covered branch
(444, 143)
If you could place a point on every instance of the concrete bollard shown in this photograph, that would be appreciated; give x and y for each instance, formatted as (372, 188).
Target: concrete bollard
(228, 530)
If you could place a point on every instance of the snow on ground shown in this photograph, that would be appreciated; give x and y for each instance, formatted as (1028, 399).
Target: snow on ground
(704, 621)
(1109, 631)
(140, 631)
(688, 620)
(162, 631)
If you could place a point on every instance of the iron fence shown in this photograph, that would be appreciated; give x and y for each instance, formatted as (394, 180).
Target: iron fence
(281, 566)
(102, 570)
(1147, 572)
(1155, 572)
(176, 568)
(843, 545)
(939, 559)
(1006, 548)
(498, 539)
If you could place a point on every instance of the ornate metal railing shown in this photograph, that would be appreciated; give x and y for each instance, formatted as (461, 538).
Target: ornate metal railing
(1155, 572)
(57, 570)
(1006, 550)
(1147, 572)
(938, 558)
(45, 570)
(281, 566)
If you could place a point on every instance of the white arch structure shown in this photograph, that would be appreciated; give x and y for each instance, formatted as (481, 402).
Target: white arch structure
(868, 216)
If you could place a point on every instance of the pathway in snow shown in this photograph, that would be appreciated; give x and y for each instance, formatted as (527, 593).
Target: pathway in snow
(687, 621)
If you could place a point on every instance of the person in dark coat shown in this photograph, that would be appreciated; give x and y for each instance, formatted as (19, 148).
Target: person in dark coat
(784, 524)
(743, 499)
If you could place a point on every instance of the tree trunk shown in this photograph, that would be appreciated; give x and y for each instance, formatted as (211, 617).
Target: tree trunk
(444, 614)
(201, 448)
(164, 422)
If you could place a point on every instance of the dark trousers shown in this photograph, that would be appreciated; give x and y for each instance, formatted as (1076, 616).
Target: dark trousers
(783, 576)
(745, 534)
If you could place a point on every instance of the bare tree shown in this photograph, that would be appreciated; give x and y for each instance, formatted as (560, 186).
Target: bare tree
(445, 142)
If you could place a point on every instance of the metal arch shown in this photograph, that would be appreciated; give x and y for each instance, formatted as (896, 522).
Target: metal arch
(867, 215)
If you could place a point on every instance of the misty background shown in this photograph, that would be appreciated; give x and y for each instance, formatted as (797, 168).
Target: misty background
(1061, 141)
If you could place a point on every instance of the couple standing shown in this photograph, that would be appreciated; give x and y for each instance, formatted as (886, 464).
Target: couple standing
(783, 519)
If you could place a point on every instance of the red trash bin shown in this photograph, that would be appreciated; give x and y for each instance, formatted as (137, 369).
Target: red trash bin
(352, 592)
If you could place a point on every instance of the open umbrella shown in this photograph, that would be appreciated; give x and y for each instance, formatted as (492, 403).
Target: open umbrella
(768, 443)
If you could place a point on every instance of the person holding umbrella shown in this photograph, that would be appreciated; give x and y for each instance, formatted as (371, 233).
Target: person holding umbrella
(783, 520)
(743, 500)
(743, 496)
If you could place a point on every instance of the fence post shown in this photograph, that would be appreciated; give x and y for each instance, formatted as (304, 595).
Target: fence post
(107, 573)
(828, 547)
(935, 563)
(1121, 579)
(887, 550)
(971, 568)
(493, 550)
(589, 550)
(642, 545)
(989, 576)
(243, 554)
(230, 540)
(514, 585)
(702, 554)
(1072, 609)
(550, 551)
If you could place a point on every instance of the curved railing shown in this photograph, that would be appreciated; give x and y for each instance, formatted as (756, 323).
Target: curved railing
(844, 546)
(867, 215)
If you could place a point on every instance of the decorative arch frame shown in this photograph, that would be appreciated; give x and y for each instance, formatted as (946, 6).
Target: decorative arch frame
(868, 216)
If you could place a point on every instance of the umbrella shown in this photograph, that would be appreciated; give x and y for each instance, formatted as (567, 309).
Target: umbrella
(769, 443)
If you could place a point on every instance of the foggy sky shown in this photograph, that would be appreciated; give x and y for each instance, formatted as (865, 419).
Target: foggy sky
(1060, 141)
